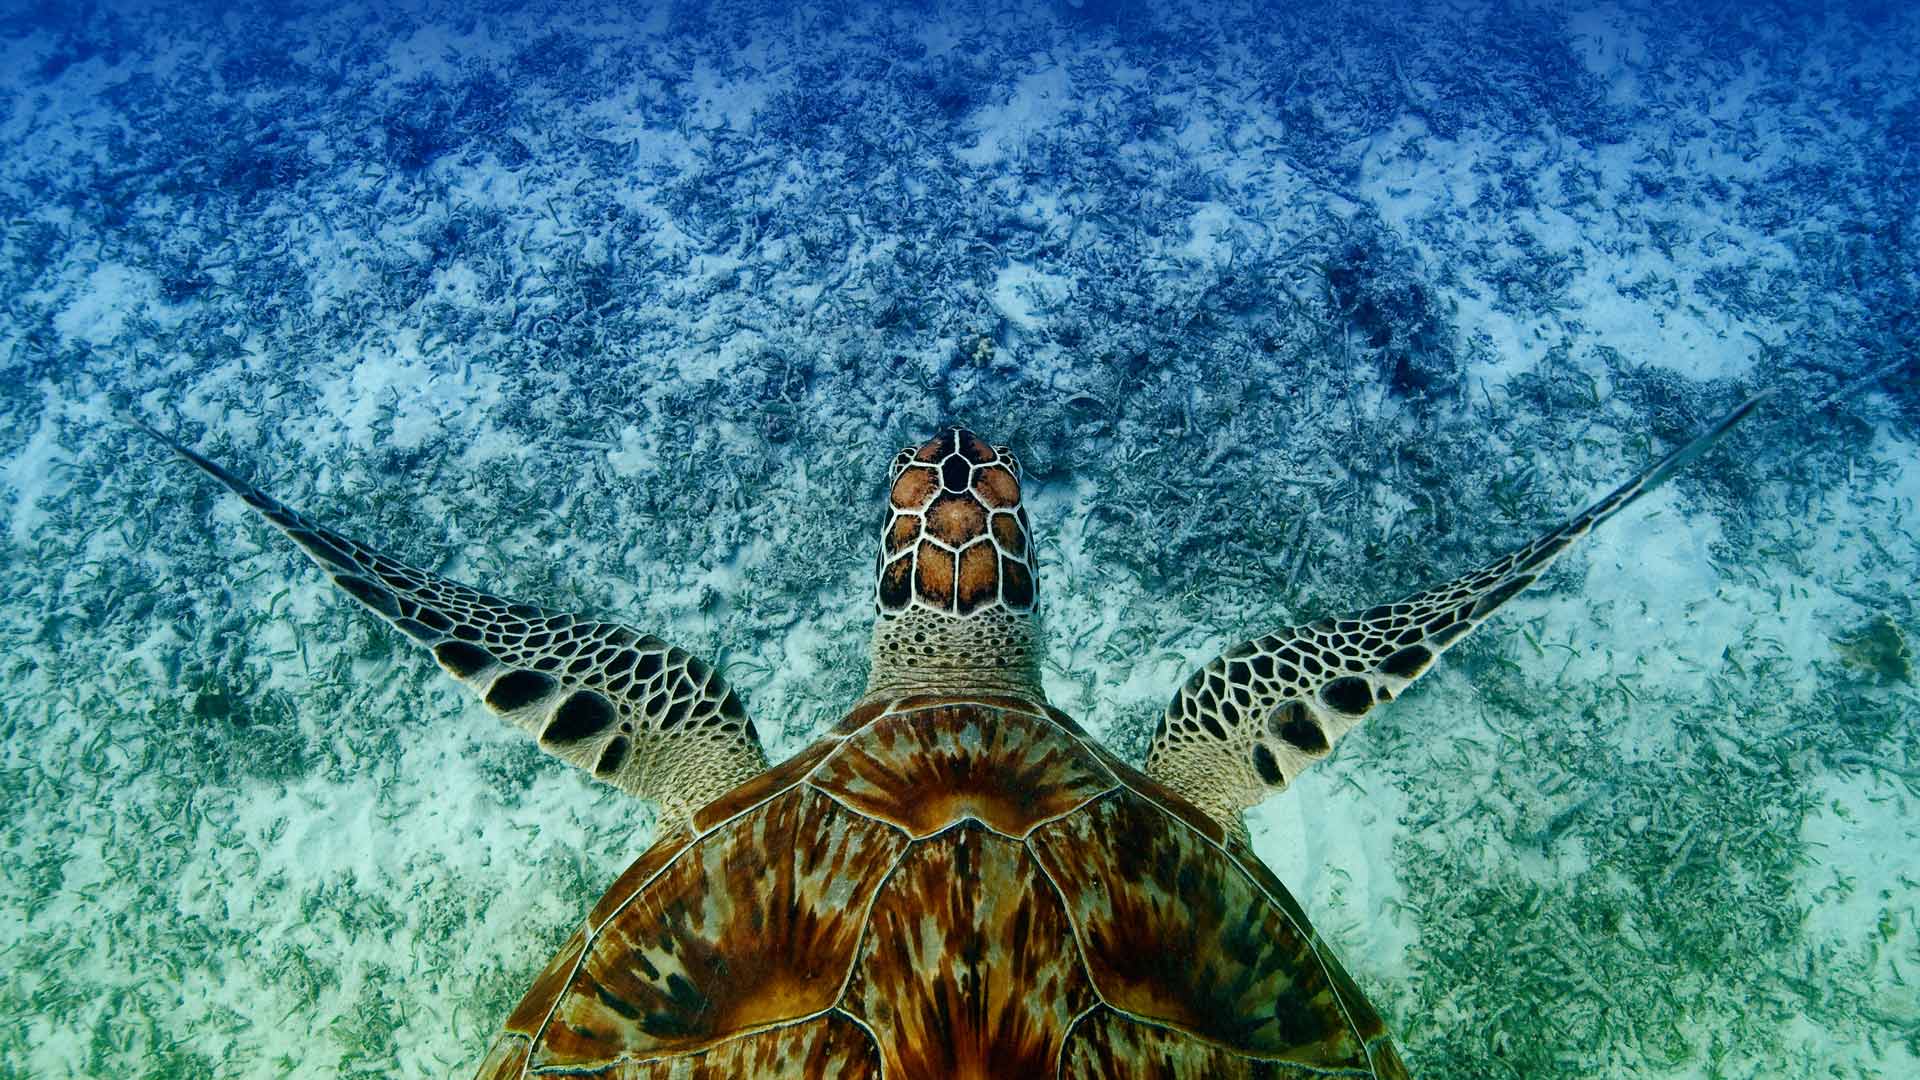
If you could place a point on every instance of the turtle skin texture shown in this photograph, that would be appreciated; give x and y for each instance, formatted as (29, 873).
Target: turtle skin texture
(946, 889)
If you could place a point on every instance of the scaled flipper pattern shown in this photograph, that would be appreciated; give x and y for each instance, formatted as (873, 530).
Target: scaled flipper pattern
(628, 708)
(1246, 724)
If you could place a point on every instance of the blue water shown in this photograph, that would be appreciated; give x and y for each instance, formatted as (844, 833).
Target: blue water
(1285, 313)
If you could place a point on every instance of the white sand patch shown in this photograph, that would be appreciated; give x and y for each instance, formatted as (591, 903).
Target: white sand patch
(1624, 291)
(29, 474)
(1863, 888)
(1864, 897)
(441, 51)
(1019, 291)
(723, 100)
(336, 276)
(400, 398)
(1205, 228)
(1611, 45)
(1329, 838)
(1650, 589)
(456, 283)
(1038, 100)
(110, 295)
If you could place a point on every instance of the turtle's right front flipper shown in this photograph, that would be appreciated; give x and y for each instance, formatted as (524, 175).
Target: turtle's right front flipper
(627, 707)
(1256, 716)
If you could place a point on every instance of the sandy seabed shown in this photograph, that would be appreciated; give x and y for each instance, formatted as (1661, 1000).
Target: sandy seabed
(1286, 316)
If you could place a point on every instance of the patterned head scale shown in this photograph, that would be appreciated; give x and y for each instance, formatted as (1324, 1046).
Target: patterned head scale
(956, 536)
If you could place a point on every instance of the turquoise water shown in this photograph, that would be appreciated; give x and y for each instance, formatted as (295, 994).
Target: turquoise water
(1286, 315)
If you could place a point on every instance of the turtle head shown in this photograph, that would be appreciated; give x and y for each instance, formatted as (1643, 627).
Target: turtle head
(955, 539)
(954, 584)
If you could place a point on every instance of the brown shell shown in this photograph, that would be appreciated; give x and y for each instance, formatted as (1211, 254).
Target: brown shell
(946, 889)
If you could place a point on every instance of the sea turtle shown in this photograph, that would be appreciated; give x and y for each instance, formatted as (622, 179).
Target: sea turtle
(956, 881)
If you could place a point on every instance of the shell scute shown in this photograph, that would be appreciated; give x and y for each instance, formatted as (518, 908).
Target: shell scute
(969, 967)
(1107, 1046)
(637, 874)
(916, 702)
(860, 716)
(925, 770)
(1360, 1011)
(946, 887)
(506, 1058)
(1161, 796)
(1067, 724)
(830, 1046)
(1174, 932)
(538, 1001)
(763, 787)
(754, 924)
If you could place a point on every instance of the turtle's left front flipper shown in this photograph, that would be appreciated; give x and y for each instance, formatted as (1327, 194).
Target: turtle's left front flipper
(1259, 714)
(627, 707)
